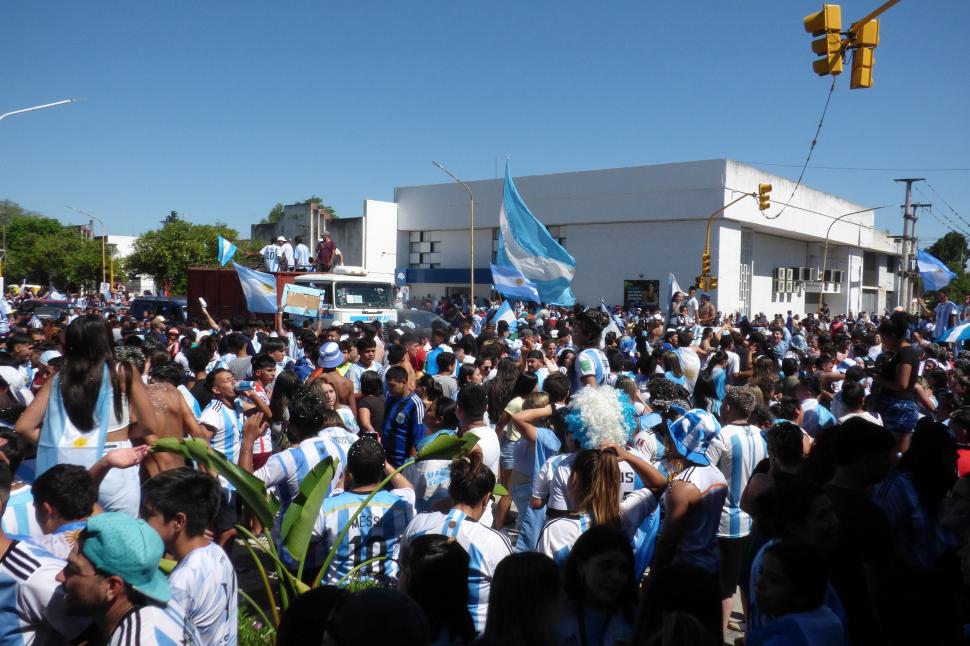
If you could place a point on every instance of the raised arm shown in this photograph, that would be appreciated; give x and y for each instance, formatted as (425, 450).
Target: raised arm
(524, 421)
(28, 424)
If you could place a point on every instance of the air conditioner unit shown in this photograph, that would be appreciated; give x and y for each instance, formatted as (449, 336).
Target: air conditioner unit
(788, 273)
(827, 276)
(789, 286)
(777, 285)
(780, 273)
(839, 277)
(807, 273)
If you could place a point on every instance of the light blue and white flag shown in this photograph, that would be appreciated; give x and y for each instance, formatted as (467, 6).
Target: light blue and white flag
(612, 327)
(226, 250)
(510, 283)
(259, 289)
(505, 313)
(935, 274)
(524, 243)
(956, 334)
(672, 288)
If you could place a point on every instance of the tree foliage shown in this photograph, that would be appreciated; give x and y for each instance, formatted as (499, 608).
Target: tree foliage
(952, 249)
(274, 214)
(43, 251)
(166, 253)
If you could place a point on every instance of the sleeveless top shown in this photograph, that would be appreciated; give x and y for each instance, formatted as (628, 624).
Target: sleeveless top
(698, 542)
(61, 442)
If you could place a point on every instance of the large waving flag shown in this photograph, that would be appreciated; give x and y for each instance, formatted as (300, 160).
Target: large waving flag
(672, 288)
(935, 274)
(226, 250)
(510, 283)
(524, 243)
(259, 289)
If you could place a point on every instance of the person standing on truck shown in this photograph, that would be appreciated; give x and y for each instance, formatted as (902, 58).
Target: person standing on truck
(271, 257)
(301, 255)
(326, 251)
(286, 254)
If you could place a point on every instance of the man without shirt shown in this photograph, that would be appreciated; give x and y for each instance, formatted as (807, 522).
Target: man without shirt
(173, 417)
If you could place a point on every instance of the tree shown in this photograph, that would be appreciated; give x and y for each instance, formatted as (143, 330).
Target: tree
(274, 214)
(173, 216)
(952, 249)
(41, 250)
(166, 253)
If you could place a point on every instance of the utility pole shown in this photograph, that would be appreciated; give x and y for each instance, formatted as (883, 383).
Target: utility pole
(915, 238)
(906, 284)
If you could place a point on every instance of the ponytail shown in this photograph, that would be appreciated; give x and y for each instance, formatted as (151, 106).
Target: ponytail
(471, 480)
(596, 479)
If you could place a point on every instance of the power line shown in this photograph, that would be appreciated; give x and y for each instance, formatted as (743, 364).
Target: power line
(943, 199)
(811, 149)
(825, 215)
(857, 168)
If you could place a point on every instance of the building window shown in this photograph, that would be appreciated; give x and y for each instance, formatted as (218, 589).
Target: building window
(494, 245)
(424, 249)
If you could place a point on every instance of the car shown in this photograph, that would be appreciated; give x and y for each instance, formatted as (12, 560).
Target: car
(172, 308)
(420, 319)
(46, 308)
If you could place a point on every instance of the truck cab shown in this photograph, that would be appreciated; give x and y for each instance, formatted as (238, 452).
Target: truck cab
(351, 294)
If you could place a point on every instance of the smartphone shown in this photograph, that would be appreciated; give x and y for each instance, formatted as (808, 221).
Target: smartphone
(202, 302)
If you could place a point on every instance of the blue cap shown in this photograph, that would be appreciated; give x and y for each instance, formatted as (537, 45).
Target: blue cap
(127, 547)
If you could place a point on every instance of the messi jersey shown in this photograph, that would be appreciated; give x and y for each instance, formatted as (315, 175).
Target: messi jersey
(154, 625)
(589, 362)
(375, 533)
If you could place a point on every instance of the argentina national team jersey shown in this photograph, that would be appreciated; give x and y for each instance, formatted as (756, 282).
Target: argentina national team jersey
(375, 533)
(736, 451)
(355, 371)
(153, 625)
(589, 362)
(226, 426)
(485, 546)
(403, 427)
(19, 520)
(204, 584)
(32, 601)
(190, 399)
(286, 470)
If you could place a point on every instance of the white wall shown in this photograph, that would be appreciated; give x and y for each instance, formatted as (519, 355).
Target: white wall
(380, 237)
(770, 252)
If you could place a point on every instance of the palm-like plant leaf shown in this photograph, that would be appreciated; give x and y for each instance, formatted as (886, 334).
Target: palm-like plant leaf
(297, 525)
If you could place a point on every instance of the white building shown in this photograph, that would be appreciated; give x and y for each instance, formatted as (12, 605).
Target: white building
(628, 228)
(122, 247)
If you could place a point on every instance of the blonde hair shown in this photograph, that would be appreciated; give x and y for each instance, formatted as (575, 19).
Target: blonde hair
(535, 400)
(596, 480)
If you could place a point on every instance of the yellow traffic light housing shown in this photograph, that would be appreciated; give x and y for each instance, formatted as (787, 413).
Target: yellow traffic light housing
(864, 42)
(712, 282)
(764, 196)
(706, 264)
(828, 24)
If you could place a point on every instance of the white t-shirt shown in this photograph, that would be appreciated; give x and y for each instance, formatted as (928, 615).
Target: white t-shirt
(489, 444)
(271, 257)
(286, 252)
(485, 546)
(204, 584)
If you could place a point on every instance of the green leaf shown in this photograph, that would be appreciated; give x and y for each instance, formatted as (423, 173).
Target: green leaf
(447, 447)
(297, 525)
(251, 489)
(499, 490)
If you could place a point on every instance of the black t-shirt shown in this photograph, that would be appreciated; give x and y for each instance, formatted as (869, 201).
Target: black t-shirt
(375, 405)
(905, 355)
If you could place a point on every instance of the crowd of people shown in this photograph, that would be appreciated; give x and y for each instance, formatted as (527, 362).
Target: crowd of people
(638, 476)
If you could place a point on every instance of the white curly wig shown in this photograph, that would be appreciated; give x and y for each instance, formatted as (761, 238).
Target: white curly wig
(600, 416)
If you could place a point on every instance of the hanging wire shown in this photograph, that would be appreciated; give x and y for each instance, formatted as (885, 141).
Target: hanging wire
(811, 149)
(948, 205)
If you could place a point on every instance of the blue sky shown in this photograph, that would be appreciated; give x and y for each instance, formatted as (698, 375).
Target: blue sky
(221, 109)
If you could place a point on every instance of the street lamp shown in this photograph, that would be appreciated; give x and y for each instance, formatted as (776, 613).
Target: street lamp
(471, 232)
(825, 253)
(3, 252)
(103, 238)
(37, 107)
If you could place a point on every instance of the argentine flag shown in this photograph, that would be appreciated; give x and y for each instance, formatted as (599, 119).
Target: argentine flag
(226, 250)
(505, 313)
(525, 244)
(259, 289)
(510, 283)
(934, 273)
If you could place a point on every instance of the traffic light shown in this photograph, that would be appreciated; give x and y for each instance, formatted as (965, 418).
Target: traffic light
(700, 281)
(864, 42)
(706, 264)
(712, 282)
(764, 197)
(826, 23)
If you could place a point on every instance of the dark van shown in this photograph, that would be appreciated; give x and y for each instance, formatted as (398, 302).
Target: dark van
(173, 308)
